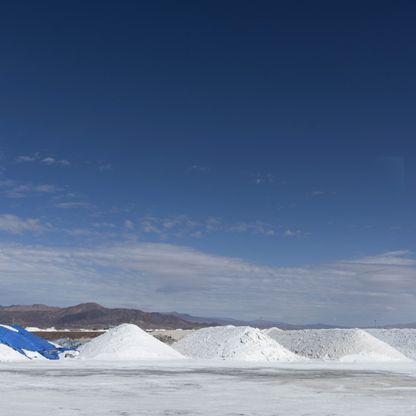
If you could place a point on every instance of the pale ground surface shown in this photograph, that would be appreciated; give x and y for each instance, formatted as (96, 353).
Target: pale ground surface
(185, 387)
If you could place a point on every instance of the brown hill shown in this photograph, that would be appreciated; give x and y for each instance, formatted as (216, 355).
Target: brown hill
(88, 316)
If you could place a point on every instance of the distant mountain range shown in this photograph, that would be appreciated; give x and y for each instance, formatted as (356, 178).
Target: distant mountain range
(95, 316)
(409, 326)
(88, 316)
(261, 323)
(258, 323)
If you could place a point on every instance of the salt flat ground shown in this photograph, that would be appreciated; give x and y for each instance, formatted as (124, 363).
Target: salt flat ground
(206, 388)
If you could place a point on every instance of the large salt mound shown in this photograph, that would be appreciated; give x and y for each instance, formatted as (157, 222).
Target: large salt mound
(127, 342)
(8, 354)
(337, 344)
(404, 340)
(233, 343)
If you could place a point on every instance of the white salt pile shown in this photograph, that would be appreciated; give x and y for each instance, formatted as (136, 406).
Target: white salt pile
(349, 345)
(404, 340)
(272, 331)
(233, 343)
(8, 354)
(127, 342)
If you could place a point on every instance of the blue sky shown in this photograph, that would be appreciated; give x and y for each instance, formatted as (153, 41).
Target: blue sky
(239, 158)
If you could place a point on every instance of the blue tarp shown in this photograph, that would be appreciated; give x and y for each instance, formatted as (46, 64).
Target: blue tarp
(21, 340)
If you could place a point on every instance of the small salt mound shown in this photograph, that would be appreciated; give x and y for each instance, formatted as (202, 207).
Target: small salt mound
(127, 342)
(403, 339)
(233, 343)
(8, 354)
(338, 344)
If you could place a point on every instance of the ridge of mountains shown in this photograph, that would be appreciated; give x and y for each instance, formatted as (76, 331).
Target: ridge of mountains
(258, 323)
(94, 316)
(87, 316)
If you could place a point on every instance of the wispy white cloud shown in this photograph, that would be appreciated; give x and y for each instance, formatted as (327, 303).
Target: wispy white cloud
(128, 225)
(262, 178)
(103, 166)
(13, 224)
(104, 225)
(73, 205)
(392, 258)
(50, 161)
(44, 160)
(92, 234)
(21, 189)
(256, 227)
(292, 233)
(146, 275)
(182, 226)
(175, 225)
(26, 158)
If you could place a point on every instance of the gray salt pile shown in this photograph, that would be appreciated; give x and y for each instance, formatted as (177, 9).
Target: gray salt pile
(348, 345)
(404, 340)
